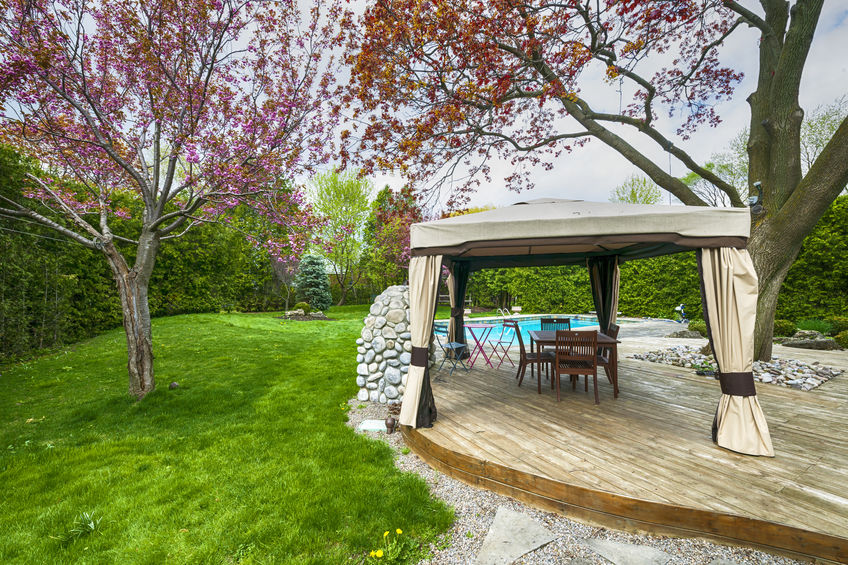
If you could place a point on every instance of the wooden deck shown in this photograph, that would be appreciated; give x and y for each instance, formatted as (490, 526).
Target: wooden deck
(645, 461)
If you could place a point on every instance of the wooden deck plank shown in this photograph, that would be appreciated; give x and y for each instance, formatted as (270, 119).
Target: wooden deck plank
(652, 444)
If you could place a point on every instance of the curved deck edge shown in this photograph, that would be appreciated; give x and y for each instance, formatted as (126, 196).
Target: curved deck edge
(625, 513)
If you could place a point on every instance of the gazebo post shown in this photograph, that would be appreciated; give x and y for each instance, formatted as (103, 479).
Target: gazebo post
(604, 276)
(457, 286)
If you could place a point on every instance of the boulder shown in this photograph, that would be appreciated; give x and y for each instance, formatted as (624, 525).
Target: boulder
(685, 334)
(820, 344)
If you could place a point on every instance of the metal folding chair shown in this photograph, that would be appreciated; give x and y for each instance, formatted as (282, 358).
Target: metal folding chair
(452, 350)
(501, 345)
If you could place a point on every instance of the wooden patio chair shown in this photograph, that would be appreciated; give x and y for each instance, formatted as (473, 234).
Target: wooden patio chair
(604, 354)
(554, 324)
(532, 358)
(576, 354)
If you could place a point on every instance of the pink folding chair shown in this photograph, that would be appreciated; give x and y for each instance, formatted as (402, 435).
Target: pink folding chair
(501, 345)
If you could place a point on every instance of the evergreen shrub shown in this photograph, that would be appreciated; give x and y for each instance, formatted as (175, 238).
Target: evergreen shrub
(313, 285)
(784, 328)
(839, 323)
(303, 306)
(842, 339)
(699, 326)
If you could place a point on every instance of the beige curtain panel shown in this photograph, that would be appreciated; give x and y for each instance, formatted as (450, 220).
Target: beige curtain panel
(453, 300)
(423, 290)
(730, 308)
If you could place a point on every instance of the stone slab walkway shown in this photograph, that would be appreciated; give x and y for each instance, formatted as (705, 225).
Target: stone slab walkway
(511, 535)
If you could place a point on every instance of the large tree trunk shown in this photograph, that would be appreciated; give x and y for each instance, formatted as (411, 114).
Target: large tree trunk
(132, 286)
(772, 257)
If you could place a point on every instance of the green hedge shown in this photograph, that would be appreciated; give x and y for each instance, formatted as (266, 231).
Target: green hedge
(817, 284)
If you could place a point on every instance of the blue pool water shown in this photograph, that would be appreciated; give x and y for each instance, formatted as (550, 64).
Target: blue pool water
(525, 325)
(531, 324)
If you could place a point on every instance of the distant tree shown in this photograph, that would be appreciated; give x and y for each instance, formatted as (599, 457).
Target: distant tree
(313, 286)
(818, 129)
(637, 190)
(387, 235)
(342, 202)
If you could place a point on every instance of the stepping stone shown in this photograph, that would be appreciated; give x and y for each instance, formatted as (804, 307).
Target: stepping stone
(722, 561)
(627, 553)
(372, 426)
(511, 535)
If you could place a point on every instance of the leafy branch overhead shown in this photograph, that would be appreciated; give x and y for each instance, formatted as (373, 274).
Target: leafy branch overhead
(442, 84)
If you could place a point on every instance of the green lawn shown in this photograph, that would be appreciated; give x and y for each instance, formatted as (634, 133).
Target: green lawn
(248, 461)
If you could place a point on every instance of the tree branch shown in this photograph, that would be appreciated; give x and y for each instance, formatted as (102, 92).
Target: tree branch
(667, 145)
(750, 17)
(22, 212)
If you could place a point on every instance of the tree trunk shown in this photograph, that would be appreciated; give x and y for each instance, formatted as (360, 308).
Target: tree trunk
(343, 288)
(771, 272)
(132, 287)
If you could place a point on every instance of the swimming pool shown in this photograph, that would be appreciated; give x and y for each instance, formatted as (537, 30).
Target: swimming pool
(530, 324)
(525, 324)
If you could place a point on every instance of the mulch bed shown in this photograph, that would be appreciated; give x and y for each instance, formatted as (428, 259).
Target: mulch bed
(298, 318)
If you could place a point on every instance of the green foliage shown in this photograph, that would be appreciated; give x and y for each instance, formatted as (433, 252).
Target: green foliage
(312, 283)
(839, 323)
(842, 339)
(303, 306)
(649, 287)
(85, 524)
(813, 324)
(815, 286)
(637, 190)
(653, 287)
(187, 476)
(784, 328)
(397, 548)
(699, 326)
(342, 200)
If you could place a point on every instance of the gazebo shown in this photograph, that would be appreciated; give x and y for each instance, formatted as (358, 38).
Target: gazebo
(601, 236)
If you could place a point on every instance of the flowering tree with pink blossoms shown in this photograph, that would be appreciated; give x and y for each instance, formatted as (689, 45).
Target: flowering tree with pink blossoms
(184, 108)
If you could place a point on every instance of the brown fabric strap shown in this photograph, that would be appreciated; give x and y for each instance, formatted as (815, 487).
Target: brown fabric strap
(420, 356)
(737, 384)
(457, 312)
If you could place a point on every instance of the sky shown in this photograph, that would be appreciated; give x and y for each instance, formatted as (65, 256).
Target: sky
(593, 171)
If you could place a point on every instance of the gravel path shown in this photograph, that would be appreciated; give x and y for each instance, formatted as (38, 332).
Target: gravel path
(475, 510)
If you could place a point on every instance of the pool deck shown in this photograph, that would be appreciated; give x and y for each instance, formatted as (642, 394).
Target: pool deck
(645, 461)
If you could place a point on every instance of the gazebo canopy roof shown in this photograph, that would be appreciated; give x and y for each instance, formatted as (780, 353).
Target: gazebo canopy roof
(558, 232)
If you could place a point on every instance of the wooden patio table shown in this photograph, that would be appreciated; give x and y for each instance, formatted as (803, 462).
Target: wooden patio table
(548, 338)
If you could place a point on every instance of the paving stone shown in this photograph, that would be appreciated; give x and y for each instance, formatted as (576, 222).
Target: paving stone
(511, 535)
(627, 553)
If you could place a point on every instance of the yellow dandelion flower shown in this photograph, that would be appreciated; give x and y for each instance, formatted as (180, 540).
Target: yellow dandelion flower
(379, 553)
(372, 554)
(398, 531)
(385, 533)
